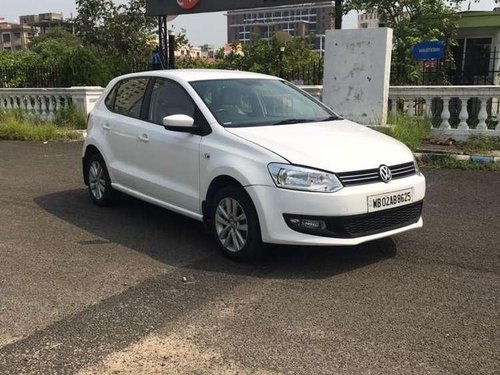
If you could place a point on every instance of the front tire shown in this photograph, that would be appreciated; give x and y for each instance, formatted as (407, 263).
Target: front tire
(235, 224)
(100, 190)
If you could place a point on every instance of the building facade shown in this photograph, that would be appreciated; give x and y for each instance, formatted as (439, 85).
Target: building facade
(15, 37)
(296, 21)
(369, 20)
(44, 22)
(477, 53)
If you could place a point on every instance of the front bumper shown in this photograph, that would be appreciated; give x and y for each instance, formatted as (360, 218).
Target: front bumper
(273, 203)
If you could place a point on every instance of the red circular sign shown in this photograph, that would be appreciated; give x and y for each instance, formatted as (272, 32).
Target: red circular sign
(187, 4)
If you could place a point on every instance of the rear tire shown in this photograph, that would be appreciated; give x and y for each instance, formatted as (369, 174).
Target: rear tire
(100, 190)
(235, 225)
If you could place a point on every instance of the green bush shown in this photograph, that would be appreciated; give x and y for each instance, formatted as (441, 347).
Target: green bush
(412, 131)
(82, 68)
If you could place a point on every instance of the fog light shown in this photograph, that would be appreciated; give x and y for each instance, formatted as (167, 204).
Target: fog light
(308, 223)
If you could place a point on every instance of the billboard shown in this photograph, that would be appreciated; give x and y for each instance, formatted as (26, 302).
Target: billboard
(171, 7)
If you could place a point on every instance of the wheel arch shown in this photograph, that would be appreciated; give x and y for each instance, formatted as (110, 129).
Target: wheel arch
(89, 151)
(217, 183)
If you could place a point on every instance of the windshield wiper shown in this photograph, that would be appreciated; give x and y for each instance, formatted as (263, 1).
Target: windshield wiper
(331, 118)
(292, 121)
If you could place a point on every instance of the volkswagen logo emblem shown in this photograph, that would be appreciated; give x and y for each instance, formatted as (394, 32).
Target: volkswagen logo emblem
(385, 173)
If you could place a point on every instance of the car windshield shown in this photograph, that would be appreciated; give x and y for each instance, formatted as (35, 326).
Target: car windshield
(259, 102)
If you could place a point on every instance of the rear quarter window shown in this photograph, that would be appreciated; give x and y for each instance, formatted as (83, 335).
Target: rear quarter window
(127, 97)
(110, 99)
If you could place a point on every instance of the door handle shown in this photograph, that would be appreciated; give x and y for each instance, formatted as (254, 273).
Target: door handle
(144, 138)
(106, 127)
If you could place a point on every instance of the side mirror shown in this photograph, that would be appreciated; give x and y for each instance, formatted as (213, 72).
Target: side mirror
(178, 122)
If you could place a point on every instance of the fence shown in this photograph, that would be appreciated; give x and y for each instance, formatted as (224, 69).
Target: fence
(44, 76)
(32, 77)
(478, 67)
(306, 75)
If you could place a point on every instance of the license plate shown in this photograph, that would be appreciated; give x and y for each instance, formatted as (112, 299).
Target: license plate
(390, 200)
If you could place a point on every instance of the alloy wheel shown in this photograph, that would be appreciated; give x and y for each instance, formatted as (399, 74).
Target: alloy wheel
(231, 224)
(97, 180)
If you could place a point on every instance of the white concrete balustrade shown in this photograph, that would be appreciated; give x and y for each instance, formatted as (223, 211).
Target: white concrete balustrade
(482, 104)
(46, 102)
(470, 107)
(469, 104)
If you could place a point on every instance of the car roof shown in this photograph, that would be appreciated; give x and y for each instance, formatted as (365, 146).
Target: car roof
(190, 75)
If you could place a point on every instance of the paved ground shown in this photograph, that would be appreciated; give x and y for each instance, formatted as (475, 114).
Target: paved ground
(102, 291)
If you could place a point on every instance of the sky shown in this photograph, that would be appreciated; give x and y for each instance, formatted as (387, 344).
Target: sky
(207, 28)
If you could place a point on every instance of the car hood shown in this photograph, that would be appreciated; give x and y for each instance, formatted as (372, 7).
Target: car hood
(336, 146)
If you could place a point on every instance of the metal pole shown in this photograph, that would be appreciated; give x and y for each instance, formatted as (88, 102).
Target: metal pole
(338, 14)
(282, 50)
(171, 49)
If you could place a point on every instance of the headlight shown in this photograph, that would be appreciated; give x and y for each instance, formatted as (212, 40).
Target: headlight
(288, 176)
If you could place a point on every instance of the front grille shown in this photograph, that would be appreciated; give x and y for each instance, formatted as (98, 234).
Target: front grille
(376, 222)
(368, 176)
(365, 224)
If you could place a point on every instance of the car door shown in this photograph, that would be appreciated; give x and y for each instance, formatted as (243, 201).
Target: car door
(169, 160)
(122, 127)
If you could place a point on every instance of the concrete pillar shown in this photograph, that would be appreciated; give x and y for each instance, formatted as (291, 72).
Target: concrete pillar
(85, 97)
(357, 74)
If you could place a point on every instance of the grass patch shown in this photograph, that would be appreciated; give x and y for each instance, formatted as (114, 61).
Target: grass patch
(412, 131)
(477, 144)
(18, 125)
(450, 163)
(71, 117)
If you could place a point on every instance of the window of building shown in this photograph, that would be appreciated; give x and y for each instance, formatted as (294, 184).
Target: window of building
(6, 37)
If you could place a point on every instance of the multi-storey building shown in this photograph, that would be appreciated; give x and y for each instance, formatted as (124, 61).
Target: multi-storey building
(296, 20)
(44, 21)
(14, 37)
(369, 20)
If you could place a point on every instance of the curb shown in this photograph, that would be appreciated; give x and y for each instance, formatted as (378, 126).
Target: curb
(480, 159)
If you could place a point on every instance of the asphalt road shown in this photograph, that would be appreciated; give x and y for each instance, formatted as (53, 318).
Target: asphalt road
(135, 289)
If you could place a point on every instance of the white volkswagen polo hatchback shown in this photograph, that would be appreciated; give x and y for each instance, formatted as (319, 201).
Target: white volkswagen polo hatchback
(254, 157)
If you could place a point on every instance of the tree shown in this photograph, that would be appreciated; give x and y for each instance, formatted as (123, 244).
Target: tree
(53, 46)
(413, 21)
(263, 56)
(121, 34)
(82, 68)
